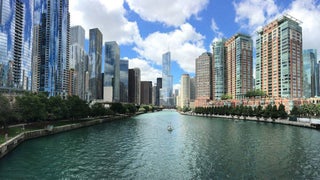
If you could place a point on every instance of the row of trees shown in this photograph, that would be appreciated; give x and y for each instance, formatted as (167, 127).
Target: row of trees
(36, 107)
(245, 111)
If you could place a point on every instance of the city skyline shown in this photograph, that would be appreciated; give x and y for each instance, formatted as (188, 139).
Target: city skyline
(146, 31)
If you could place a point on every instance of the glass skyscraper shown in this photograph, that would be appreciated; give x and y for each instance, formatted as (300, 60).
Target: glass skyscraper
(310, 73)
(95, 60)
(16, 26)
(166, 92)
(52, 40)
(134, 80)
(124, 67)
(77, 61)
(112, 72)
(218, 69)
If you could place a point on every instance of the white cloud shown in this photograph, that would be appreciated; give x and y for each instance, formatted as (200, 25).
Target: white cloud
(308, 12)
(108, 16)
(185, 45)
(172, 13)
(251, 14)
(148, 72)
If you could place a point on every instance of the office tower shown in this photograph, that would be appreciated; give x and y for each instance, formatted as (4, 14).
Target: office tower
(77, 62)
(192, 89)
(124, 65)
(159, 86)
(154, 93)
(134, 78)
(310, 73)
(239, 64)
(51, 56)
(111, 85)
(279, 65)
(166, 92)
(184, 95)
(218, 64)
(146, 92)
(204, 76)
(16, 28)
(95, 60)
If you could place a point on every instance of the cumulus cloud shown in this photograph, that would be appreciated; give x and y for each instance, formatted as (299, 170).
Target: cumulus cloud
(308, 11)
(251, 14)
(185, 45)
(148, 72)
(171, 13)
(108, 16)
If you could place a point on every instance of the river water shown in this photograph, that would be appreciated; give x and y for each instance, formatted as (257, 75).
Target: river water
(197, 148)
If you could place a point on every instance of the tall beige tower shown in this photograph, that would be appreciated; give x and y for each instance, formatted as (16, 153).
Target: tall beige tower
(184, 91)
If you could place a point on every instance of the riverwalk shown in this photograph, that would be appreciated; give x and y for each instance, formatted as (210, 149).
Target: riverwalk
(301, 122)
(13, 142)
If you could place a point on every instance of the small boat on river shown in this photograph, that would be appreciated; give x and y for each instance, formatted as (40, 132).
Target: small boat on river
(170, 128)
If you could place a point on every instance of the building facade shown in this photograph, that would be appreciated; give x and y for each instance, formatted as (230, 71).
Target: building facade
(146, 92)
(204, 76)
(111, 85)
(134, 79)
(158, 87)
(94, 64)
(77, 62)
(16, 30)
(279, 65)
(238, 65)
(124, 67)
(184, 95)
(310, 73)
(166, 92)
(218, 64)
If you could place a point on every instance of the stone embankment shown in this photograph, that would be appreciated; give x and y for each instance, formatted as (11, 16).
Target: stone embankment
(303, 123)
(12, 143)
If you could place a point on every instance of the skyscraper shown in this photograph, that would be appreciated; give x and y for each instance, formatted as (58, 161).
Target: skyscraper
(111, 85)
(310, 73)
(159, 86)
(124, 65)
(219, 87)
(184, 96)
(16, 27)
(146, 92)
(166, 92)
(77, 61)
(94, 65)
(52, 41)
(192, 89)
(204, 76)
(279, 65)
(134, 92)
(239, 64)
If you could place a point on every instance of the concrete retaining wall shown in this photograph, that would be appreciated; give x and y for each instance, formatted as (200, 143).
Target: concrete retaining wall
(12, 143)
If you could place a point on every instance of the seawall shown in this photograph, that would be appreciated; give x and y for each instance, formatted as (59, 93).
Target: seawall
(12, 143)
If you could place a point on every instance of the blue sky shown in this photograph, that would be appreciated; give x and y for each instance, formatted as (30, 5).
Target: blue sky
(145, 29)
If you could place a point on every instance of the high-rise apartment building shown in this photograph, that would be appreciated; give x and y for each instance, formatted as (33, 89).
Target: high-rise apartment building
(184, 95)
(111, 85)
(146, 92)
(218, 63)
(124, 67)
(192, 89)
(279, 65)
(238, 65)
(95, 62)
(16, 28)
(134, 92)
(310, 73)
(204, 76)
(159, 86)
(50, 61)
(166, 92)
(77, 62)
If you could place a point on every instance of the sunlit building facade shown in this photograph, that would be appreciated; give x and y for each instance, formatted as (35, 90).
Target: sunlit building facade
(16, 31)
(184, 95)
(111, 85)
(166, 92)
(95, 64)
(310, 73)
(218, 64)
(279, 64)
(204, 76)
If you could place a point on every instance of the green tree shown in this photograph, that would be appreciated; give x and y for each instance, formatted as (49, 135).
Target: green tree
(130, 108)
(56, 108)
(267, 111)
(282, 112)
(118, 108)
(77, 107)
(98, 110)
(274, 112)
(5, 111)
(295, 111)
(31, 108)
(226, 97)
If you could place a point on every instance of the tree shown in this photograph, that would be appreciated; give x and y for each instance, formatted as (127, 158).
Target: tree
(282, 112)
(5, 111)
(258, 112)
(56, 108)
(267, 111)
(98, 110)
(31, 108)
(77, 107)
(226, 97)
(130, 108)
(274, 112)
(295, 111)
(118, 108)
